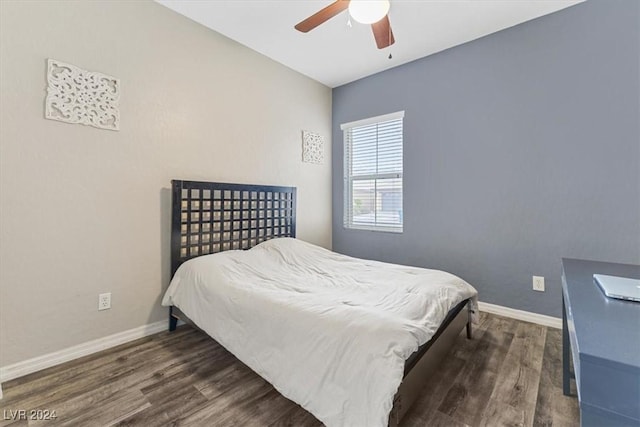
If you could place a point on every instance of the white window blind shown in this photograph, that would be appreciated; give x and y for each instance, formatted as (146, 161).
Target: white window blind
(373, 173)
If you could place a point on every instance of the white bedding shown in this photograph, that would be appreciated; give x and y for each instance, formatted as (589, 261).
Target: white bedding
(330, 332)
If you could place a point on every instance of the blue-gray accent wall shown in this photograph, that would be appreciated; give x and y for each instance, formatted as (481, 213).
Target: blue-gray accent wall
(521, 148)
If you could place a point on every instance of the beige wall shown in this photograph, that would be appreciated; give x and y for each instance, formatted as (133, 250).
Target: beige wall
(85, 211)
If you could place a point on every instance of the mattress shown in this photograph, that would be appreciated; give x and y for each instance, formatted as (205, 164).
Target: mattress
(328, 331)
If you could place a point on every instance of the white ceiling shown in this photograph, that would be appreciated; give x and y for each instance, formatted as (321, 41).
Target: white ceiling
(335, 54)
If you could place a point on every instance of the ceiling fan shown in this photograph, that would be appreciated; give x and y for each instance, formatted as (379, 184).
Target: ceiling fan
(374, 12)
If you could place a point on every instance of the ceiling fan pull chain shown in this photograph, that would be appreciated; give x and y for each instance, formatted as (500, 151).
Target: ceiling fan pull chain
(390, 56)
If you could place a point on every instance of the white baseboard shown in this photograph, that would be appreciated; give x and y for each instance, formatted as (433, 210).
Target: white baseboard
(29, 366)
(527, 316)
(46, 361)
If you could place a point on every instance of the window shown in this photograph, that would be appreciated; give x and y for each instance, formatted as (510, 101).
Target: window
(373, 173)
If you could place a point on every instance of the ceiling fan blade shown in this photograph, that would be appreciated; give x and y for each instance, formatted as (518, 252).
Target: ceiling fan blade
(382, 32)
(322, 16)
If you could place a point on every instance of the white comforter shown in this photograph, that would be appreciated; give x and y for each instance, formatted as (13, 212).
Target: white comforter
(330, 332)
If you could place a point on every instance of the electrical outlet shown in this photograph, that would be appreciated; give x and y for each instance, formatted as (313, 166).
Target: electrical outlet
(104, 301)
(538, 283)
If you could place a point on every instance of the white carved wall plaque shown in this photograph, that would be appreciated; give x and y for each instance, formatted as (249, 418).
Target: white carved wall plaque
(75, 95)
(312, 147)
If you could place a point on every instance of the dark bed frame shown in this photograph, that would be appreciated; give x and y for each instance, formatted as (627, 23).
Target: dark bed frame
(211, 217)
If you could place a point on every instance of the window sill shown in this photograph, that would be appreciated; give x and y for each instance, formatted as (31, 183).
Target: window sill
(394, 230)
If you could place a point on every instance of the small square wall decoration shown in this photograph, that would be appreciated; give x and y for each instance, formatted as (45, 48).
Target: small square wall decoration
(75, 95)
(312, 147)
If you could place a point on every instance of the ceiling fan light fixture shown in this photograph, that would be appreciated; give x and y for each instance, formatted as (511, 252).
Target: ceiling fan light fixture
(368, 11)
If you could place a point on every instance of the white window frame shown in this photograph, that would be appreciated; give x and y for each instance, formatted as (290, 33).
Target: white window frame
(349, 179)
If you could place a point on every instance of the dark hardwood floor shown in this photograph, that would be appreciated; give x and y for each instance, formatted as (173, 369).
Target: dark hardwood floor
(508, 375)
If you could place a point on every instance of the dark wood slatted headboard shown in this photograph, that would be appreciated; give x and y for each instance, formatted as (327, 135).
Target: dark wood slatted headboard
(211, 217)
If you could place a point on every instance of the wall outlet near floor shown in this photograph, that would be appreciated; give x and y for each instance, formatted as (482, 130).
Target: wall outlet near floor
(538, 283)
(104, 301)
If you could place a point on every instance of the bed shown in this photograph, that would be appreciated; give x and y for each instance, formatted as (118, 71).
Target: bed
(352, 341)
